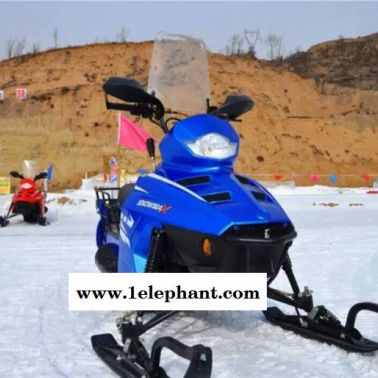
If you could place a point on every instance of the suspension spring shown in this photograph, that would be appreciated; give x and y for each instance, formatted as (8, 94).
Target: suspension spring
(287, 267)
(155, 256)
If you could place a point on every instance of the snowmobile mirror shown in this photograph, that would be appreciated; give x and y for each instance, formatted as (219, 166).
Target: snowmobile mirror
(130, 91)
(16, 175)
(233, 107)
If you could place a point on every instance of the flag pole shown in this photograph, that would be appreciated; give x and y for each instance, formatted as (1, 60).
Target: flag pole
(119, 151)
(119, 166)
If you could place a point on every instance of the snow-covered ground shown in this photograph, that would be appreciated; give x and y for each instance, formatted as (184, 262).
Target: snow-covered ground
(336, 254)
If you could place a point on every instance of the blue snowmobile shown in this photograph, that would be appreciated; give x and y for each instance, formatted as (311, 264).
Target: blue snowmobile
(234, 224)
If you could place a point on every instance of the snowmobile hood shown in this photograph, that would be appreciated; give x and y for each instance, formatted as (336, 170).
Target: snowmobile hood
(210, 203)
(27, 185)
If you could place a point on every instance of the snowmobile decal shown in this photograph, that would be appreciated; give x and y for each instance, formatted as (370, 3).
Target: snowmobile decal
(157, 177)
(162, 209)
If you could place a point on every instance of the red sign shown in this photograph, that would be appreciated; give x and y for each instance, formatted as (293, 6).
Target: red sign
(2, 96)
(278, 176)
(21, 93)
(366, 177)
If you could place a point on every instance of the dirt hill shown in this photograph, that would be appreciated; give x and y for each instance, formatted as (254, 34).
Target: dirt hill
(298, 125)
(348, 62)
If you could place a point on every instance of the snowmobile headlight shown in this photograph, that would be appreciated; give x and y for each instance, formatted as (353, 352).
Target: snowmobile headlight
(214, 146)
(26, 185)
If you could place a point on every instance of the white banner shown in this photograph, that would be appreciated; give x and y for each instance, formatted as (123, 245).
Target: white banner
(167, 291)
(2, 96)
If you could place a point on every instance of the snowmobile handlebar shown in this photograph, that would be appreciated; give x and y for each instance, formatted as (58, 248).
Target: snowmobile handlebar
(143, 110)
(15, 174)
(39, 176)
(139, 102)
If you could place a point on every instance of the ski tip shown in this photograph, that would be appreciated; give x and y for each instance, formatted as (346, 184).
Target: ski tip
(103, 340)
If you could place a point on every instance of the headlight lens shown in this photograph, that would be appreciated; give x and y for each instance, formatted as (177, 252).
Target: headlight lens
(214, 146)
(26, 185)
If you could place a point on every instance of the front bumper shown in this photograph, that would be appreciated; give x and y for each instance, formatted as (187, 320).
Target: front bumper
(246, 248)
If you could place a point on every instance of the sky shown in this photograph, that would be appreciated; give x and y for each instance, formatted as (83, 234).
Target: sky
(300, 24)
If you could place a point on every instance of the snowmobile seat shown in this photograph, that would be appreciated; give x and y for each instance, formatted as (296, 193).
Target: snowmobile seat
(124, 192)
(112, 211)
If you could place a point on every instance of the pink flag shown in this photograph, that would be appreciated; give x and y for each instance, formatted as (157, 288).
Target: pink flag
(130, 135)
(314, 177)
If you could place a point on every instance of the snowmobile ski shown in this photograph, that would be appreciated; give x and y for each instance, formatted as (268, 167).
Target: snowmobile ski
(320, 324)
(137, 363)
(3, 222)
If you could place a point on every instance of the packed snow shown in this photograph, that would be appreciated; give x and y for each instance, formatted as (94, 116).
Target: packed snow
(335, 254)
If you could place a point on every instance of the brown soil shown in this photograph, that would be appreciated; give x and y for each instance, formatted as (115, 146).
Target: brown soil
(297, 125)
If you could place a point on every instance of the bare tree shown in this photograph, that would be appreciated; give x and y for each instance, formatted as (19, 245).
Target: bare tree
(275, 44)
(9, 47)
(55, 37)
(243, 44)
(35, 49)
(235, 45)
(122, 35)
(19, 47)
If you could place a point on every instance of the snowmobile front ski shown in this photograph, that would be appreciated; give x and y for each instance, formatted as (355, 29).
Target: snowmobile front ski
(319, 323)
(4, 221)
(133, 360)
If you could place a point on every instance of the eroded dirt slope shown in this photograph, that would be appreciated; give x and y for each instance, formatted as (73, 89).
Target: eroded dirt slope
(298, 125)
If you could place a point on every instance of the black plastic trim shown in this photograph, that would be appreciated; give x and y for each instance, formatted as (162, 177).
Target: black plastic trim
(242, 179)
(217, 197)
(194, 181)
(260, 196)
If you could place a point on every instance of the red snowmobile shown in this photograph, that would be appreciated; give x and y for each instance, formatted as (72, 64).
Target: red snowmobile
(27, 201)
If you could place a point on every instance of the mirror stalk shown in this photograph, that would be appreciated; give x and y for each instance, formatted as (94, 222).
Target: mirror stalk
(150, 143)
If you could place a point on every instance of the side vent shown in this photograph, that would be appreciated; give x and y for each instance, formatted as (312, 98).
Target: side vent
(260, 196)
(217, 197)
(194, 181)
(242, 179)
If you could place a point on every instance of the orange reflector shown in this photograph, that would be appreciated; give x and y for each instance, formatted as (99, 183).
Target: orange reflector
(206, 247)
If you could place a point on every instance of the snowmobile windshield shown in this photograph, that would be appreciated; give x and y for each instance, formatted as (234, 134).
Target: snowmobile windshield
(179, 73)
(29, 168)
